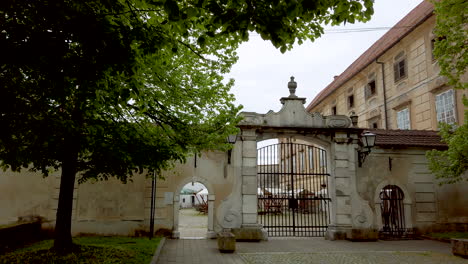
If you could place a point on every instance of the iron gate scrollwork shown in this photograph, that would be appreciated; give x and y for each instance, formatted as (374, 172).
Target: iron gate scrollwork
(293, 190)
(393, 214)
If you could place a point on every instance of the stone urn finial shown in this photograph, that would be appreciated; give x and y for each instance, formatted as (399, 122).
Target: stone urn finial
(292, 85)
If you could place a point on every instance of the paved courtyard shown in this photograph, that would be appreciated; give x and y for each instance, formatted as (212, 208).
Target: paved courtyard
(192, 224)
(308, 251)
(191, 249)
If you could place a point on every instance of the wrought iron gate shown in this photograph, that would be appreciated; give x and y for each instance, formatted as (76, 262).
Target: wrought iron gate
(393, 214)
(293, 190)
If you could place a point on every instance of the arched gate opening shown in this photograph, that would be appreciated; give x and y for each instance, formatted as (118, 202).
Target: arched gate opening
(292, 190)
(392, 212)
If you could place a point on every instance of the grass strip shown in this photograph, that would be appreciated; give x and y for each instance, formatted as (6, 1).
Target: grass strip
(449, 235)
(92, 249)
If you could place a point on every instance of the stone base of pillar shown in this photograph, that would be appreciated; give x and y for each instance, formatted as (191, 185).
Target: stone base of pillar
(175, 234)
(336, 233)
(362, 234)
(211, 234)
(250, 232)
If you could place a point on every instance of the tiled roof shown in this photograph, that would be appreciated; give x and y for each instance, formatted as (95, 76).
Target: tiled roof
(418, 15)
(407, 138)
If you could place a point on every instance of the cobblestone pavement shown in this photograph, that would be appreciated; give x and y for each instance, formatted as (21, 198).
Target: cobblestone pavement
(351, 257)
(309, 251)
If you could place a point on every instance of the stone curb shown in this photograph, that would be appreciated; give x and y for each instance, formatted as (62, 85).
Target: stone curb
(445, 240)
(155, 258)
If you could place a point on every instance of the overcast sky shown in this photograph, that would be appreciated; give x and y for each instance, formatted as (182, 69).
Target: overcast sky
(262, 72)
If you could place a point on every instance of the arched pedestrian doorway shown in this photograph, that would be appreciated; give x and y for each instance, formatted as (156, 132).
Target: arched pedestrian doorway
(392, 211)
(193, 212)
(293, 196)
(193, 223)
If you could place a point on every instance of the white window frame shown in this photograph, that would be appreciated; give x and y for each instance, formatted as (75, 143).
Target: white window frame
(404, 119)
(311, 158)
(445, 107)
(400, 67)
(294, 163)
(322, 158)
(301, 161)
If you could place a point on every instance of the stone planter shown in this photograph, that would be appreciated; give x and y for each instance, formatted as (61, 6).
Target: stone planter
(460, 247)
(226, 242)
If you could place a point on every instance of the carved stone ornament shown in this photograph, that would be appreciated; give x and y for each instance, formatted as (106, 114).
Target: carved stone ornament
(292, 85)
(338, 121)
(231, 219)
(361, 219)
(293, 114)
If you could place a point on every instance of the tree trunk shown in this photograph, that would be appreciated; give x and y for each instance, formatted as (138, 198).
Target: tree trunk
(63, 240)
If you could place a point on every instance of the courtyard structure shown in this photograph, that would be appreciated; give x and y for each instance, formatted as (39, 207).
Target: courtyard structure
(320, 179)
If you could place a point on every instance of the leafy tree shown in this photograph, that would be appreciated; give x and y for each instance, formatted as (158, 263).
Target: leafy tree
(451, 41)
(109, 88)
(451, 165)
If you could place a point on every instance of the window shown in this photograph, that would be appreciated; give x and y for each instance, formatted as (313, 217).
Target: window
(311, 158)
(432, 48)
(374, 122)
(301, 161)
(433, 41)
(403, 119)
(350, 101)
(333, 110)
(445, 107)
(399, 66)
(322, 158)
(370, 89)
(293, 160)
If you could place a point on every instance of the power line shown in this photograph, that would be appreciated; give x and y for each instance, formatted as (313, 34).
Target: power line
(352, 30)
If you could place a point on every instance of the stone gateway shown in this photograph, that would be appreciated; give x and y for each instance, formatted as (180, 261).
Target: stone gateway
(316, 179)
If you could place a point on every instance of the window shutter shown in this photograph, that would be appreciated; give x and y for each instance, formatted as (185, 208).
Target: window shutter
(402, 68)
(395, 71)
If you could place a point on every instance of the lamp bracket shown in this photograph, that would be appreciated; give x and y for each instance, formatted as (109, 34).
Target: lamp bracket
(362, 154)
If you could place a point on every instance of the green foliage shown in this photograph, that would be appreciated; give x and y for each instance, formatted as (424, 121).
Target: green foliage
(90, 250)
(449, 235)
(450, 50)
(451, 165)
(101, 74)
(110, 88)
(451, 41)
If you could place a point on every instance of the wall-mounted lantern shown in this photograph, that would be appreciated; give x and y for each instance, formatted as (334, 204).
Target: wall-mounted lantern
(367, 142)
(231, 139)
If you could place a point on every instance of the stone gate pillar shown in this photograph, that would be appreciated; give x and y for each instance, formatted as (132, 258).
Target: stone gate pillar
(352, 217)
(342, 170)
(250, 229)
(211, 233)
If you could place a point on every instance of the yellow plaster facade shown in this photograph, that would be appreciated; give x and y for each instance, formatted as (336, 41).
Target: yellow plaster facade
(414, 95)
